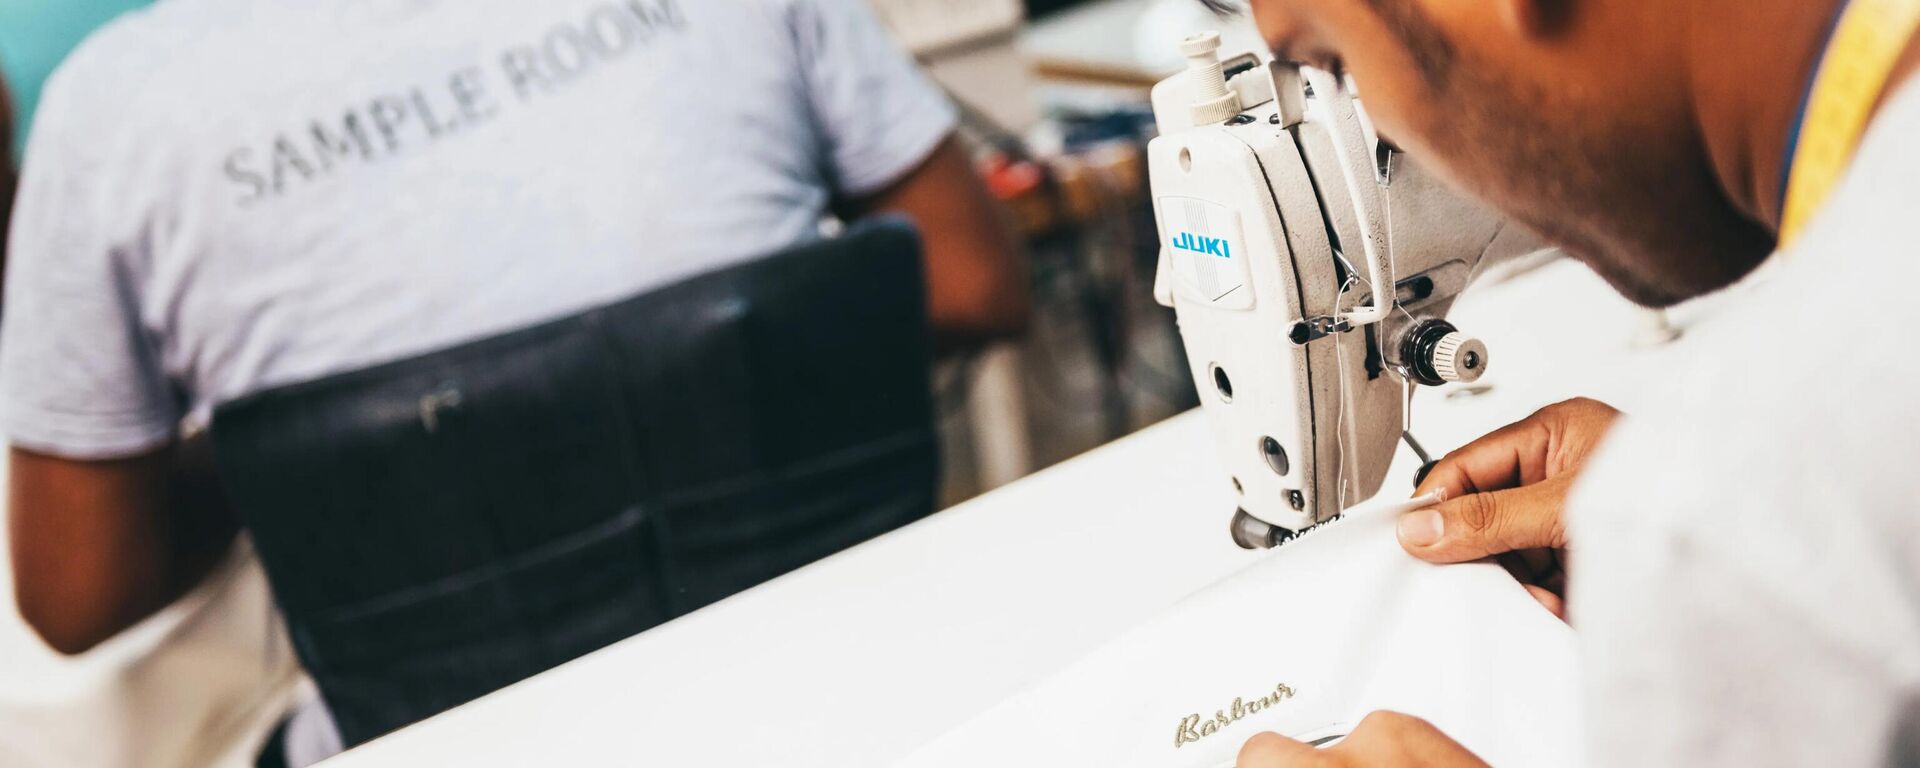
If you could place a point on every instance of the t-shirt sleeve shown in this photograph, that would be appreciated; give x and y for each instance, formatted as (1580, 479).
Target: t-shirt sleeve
(79, 375)
(879, 115)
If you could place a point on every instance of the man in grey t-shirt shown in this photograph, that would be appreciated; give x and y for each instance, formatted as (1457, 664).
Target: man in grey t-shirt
(222, 196)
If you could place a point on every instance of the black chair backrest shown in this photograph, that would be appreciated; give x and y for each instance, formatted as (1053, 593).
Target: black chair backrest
(437, 527)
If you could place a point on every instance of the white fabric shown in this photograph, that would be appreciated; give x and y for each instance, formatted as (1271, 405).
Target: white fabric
(198, 686)
(1746, 578)
(311, 735)
(1346, 621)
(226, 195)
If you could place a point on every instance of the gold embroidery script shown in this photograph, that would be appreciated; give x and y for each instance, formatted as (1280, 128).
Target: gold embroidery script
(1193, 728)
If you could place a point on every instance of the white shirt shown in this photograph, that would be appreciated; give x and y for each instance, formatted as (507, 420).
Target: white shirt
(1746, 583)
(1304, 642)
(227, 195)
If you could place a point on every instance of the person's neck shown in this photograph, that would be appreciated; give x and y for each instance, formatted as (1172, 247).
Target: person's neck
(1749, 65)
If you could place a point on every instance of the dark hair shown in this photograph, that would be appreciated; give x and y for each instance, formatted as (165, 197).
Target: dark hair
(1222, 7)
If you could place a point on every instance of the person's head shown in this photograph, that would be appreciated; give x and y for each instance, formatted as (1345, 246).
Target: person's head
(1571, 116)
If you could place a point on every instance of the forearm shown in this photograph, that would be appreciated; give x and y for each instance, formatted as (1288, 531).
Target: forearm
(976, 272)
(973, 300)
(100, 546)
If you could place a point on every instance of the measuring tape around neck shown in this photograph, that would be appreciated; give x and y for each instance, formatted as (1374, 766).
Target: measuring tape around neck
(1867, 42)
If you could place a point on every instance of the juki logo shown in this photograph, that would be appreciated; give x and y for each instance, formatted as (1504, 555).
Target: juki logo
(1212, 246)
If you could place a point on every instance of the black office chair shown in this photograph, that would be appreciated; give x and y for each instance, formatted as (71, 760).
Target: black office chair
(439, 527)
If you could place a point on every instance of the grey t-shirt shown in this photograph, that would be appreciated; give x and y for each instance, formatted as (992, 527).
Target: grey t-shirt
(1746, 583)
(226, 195)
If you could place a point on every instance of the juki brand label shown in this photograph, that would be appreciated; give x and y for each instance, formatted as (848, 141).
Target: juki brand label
(1208, 254)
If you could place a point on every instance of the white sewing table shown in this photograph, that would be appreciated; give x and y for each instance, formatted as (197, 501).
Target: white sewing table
(859, 659)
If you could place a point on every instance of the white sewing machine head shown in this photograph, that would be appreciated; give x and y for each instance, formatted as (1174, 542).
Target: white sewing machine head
(1282, 217)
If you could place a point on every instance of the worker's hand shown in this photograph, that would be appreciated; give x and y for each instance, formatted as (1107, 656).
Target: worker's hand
(1505, 495)
(1383, 739)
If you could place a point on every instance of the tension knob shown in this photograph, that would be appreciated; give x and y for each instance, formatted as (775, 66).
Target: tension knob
(1460, 358)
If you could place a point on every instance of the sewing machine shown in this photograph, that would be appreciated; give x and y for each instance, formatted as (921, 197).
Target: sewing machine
(1311, 265)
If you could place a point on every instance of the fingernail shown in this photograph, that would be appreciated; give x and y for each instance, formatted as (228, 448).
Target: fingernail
(1421, 528)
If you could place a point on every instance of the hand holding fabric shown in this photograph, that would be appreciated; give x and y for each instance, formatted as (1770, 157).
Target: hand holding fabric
(1382, 740)
(1506, 494)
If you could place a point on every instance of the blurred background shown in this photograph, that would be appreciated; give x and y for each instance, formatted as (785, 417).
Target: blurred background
(1053, 115)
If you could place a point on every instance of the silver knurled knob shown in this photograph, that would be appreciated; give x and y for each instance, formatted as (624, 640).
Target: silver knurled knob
(1460, 358)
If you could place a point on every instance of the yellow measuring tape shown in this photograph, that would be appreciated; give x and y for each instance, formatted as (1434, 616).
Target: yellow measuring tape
(1867, 42)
